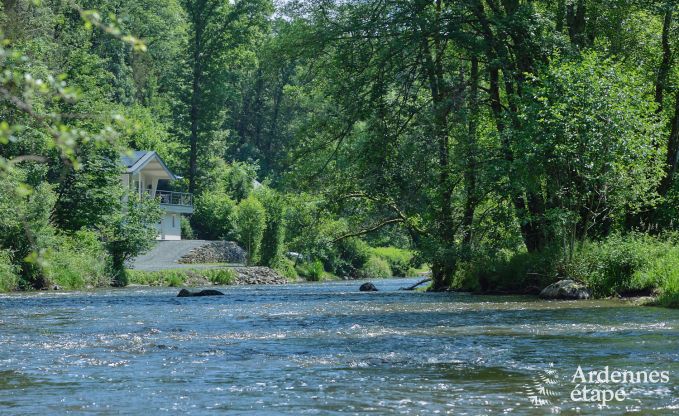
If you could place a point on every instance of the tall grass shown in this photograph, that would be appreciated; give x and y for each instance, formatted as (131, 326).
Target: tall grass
(399, 260)
(181, 277)
(622, 265)
(9, 278)
(79, 261)
(376, 268)
(313, 271)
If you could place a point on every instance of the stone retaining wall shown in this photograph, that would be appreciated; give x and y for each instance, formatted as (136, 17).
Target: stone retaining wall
(215, 252)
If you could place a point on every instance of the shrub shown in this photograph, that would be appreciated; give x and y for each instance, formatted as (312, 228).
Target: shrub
(77, 261)
(220, 276)
(212, 217)
(250, 220)
(129, 233)
(618, 265)
(179, 277)
(274, 231)
(9, 278)
(313, 271)
(174, 280)
(376, 268)
(506, 271)
(399, 259)
(186, 230)
(663, 274)
(348, 258)
(669, 296)
(286, 268)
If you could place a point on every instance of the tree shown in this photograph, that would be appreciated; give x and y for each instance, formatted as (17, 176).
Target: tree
(250, 221)
(589, 144)
(273, 238)
(130, 232)
(220, 32)
(213, 215)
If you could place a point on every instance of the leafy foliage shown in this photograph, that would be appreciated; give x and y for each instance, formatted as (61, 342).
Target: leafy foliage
(376, 268)
(250, 221)
(130, 232)
(213, 216)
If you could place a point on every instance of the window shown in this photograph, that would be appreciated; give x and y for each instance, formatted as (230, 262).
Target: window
(173, 219)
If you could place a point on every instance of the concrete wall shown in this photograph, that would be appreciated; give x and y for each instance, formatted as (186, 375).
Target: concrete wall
(169, 227)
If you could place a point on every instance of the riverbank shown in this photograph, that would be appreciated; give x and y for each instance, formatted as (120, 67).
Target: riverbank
(204, 277)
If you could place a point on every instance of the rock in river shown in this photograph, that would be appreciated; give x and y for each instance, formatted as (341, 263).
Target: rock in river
(208, 292)
(566, 289)
(367, 287)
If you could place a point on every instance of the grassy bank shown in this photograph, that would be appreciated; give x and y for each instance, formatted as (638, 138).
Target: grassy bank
(182, 277)
(629, 265)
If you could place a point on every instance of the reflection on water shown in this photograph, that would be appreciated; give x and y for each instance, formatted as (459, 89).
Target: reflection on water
(323, 349)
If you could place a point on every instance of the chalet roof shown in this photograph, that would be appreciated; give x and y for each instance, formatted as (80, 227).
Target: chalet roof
(138, 159)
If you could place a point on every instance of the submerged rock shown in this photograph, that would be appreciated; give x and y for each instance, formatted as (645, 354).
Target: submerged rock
(208, 292)
(566, 289)
(367, 287)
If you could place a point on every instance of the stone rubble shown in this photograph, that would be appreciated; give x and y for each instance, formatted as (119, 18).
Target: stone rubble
(215, 252)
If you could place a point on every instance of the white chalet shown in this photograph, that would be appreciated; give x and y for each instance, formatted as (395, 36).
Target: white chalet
(145, 172)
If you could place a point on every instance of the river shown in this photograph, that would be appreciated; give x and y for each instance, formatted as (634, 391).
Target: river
(325, 348)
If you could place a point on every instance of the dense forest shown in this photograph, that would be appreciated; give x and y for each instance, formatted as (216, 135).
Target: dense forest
(503, 143)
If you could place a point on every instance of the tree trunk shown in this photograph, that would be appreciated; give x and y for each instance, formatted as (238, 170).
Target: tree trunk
(471, 156)
(665, 65)
(442, 271)
(560, 15)
(196, 92)
(575, 18)
(672, 158)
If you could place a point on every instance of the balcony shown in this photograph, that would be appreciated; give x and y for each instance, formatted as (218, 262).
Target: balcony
(181, 199)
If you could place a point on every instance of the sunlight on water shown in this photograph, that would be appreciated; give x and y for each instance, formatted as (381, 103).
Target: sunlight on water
(323, 349)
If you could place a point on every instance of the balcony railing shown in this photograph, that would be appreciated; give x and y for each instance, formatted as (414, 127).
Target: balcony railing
(175, 198)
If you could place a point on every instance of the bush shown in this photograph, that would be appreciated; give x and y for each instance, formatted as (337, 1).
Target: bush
(375, 268)
(174, 280)
(212, 217)
(220, 276)
(662, 274)
(179, 277)
(506, 271)
(77, 261)
(669, 296)
(274, 232)
(286, 268)
(129, 233)
(619, 265)
(9, 278)
(250, 220)
(186, 230)
(348, 258)
(313, 271)
(399, 259)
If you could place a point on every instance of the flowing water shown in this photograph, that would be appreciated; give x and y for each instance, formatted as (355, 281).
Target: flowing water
(324, 349)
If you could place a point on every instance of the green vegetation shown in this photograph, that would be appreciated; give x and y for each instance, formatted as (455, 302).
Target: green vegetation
(313, 271)
(506, 144)
(181, 277)
(399, 260)
(77, 262)
(8, 272)
(186, 229)
(212, 216)
(250, 221)
(376, 268)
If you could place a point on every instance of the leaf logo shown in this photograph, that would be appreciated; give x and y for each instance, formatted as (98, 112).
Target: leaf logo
(543, 390)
